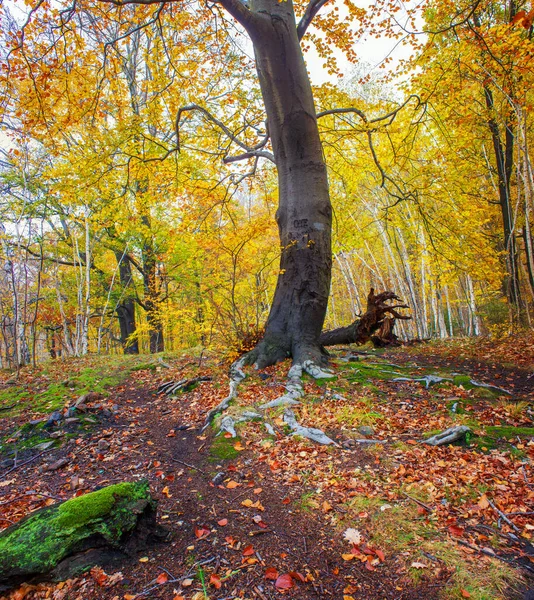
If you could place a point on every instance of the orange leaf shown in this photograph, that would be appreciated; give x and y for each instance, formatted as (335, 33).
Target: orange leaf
(239, 447)
(232, 485)
(215, 580)
(201, 532)
(222, 522)
(162, 578)
(465, 593)
(248, 551)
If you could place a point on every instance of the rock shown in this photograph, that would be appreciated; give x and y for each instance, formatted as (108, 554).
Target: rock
(56, 465)
(366, 430)
(264, 376)
(102, 444)
(44, 446)
(53, 419)
(71, 412)
(68, 538)
(72, 420)
(7, 463)
(219, 478)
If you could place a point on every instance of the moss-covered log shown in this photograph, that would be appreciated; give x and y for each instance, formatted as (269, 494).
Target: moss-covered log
(69, 537)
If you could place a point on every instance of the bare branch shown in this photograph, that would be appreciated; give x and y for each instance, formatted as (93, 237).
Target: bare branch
(251, 150)
(256, 154)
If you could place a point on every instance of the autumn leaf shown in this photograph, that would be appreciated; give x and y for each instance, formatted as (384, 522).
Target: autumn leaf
(162, 578)
(271, 573)
(248, 550)
(215, 581)
(202, 532)
(222, 522)
(284, 582)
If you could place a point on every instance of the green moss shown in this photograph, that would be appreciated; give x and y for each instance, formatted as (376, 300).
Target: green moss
(42, 539)
(508, 432)
(463, 380)
(223, 448)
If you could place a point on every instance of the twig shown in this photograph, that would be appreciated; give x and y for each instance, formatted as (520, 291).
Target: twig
(188, 465)
(490, 553)
(425, 506)
(503, 516)
(28, 461)
(8, 407)
(164, 364)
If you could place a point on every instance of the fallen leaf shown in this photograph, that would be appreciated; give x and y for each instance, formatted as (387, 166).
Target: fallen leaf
(483, 501)
(271, 573)
(353, 536)
(166, 493)
(248, 551)
(143, 559)
(284, 582)
(465, 593)
(187, 582)
(232, 485)
(201, 532)
(239, 447)
(215, 581)
(162, 578)
(222, 522)
(418, 565)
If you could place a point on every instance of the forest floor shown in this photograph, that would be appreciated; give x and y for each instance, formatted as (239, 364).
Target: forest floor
(265, 517)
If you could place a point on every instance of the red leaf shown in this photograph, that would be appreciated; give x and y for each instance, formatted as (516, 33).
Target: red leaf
(271, 573)
(201, 532)
(222, 522)
(298, 576)
(286, 500)
(248, 551)
(465, 593)
(162, 578)
(284, 582)
(455, 530)
(215, 580)
(380, 555)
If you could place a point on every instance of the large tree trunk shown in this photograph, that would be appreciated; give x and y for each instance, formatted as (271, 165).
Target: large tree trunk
(304, 214)
(375, 325)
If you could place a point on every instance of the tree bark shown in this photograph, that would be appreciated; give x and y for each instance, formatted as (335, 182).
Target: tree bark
(375, 325)
(304, 214)
(126, 308)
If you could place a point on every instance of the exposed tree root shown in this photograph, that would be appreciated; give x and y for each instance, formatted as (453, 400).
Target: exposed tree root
(184, 385)
(294, 392)
(376, 324)
(430, 380)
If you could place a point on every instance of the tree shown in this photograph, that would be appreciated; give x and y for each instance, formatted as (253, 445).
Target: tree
(304, 213)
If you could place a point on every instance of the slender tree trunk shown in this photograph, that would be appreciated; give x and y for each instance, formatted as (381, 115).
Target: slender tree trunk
(126, 308)
(304, 215)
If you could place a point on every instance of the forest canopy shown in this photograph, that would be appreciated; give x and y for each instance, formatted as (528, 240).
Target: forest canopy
(147, 148)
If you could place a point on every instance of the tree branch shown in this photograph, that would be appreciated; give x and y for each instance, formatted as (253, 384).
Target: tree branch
(311, 10)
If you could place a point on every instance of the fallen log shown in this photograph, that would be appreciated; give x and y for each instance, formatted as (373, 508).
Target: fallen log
(67, 538)
(376, 325)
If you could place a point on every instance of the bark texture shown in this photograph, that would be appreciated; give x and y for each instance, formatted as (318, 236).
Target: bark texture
(304, 215)
(376, 325)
